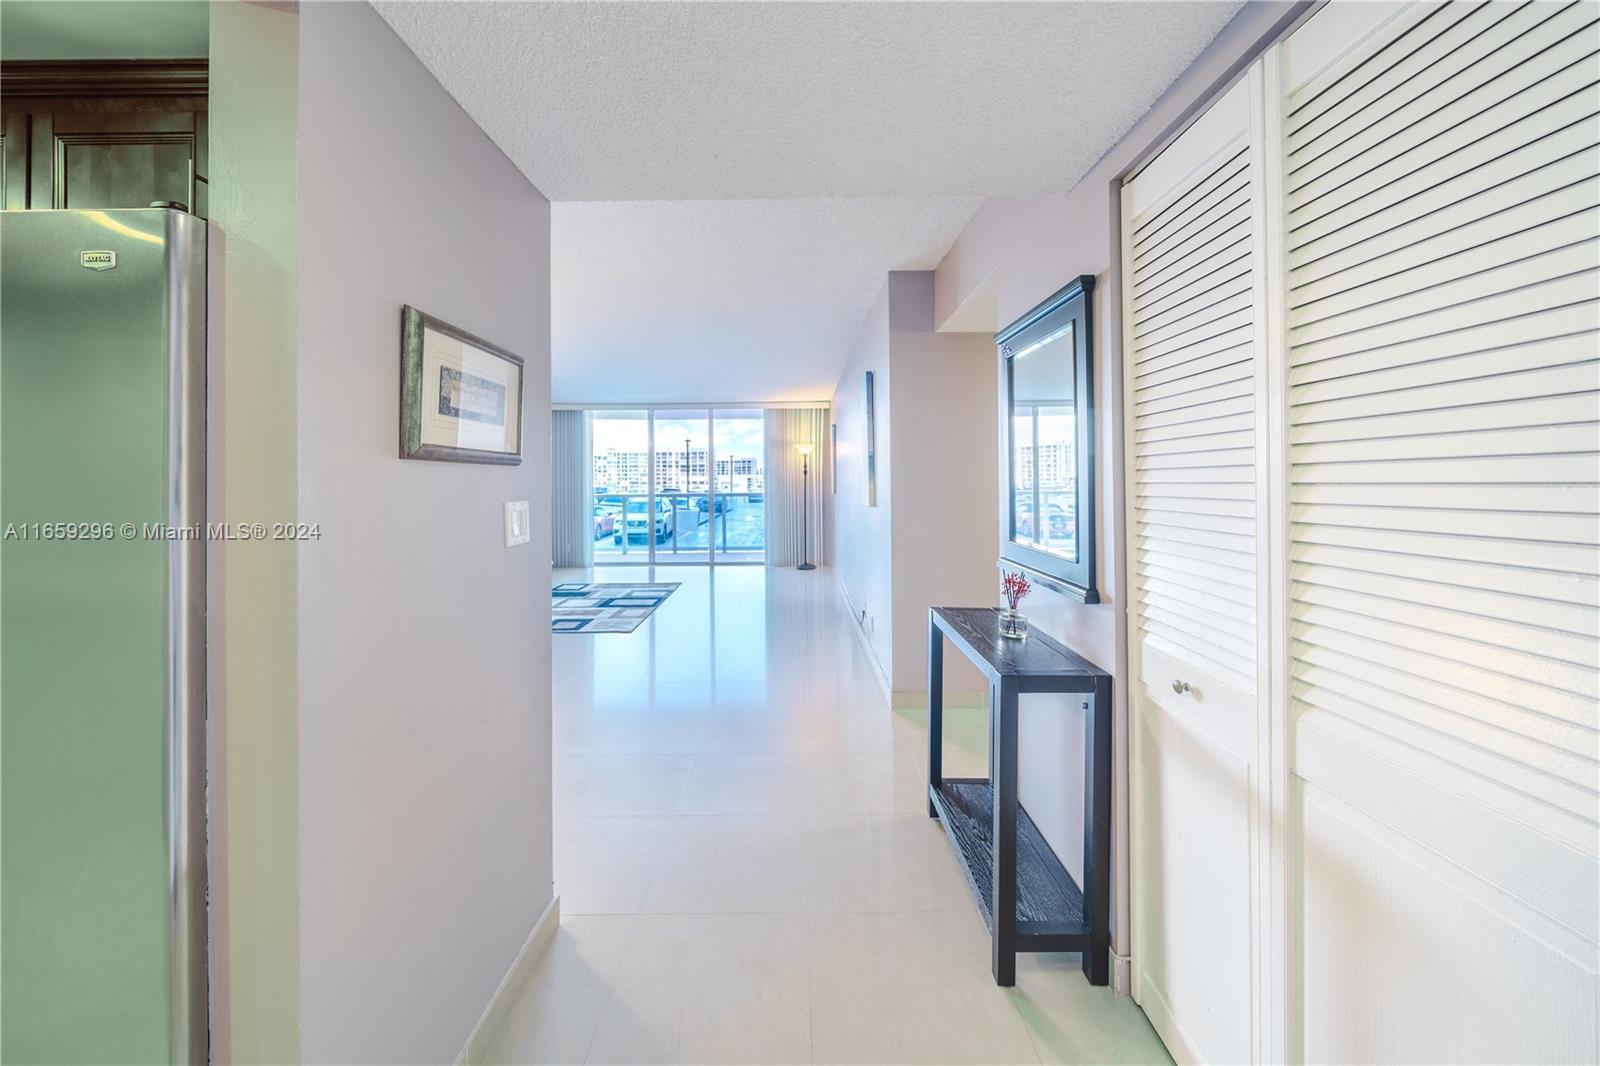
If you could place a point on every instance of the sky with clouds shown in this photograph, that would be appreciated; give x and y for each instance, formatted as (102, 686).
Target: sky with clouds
(741, 436)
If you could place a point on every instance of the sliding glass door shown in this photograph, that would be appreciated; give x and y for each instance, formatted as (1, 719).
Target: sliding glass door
(683, 485)
(738, 526)
(622, 486)
(679, 485)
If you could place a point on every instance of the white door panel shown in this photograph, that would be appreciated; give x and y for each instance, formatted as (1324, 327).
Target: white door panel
(1442, 450)
(1368, 891)
(1209, 703)
(1195, 800)
(1192, 226)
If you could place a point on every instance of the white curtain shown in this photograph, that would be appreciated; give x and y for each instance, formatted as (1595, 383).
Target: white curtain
(786, 503)
(571, 489)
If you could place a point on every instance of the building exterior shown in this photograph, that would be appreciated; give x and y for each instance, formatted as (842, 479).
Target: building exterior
(1054, 463)
(627, 472)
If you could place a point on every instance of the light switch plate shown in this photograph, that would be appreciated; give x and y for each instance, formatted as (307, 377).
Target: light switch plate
(516, 522)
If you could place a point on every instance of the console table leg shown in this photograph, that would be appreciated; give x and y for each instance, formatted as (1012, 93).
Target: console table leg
(935, 712)
(1097, 834)
(1003, 770)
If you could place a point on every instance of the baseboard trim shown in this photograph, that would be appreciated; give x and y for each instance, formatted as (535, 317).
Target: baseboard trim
(861, 638)
(493, 1017)
(1159, 1012)
(1122, 974)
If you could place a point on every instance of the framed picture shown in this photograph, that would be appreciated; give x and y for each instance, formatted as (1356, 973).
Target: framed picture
(833, 456)
(460, 396)
(872, 447)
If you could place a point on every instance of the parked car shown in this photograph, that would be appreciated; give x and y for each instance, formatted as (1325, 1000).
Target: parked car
(1061, 523)
(1024, 519)
(705, 504)
(605, 521)
(638, 522)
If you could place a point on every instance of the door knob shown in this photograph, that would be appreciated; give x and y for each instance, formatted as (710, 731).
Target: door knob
(1180, 687)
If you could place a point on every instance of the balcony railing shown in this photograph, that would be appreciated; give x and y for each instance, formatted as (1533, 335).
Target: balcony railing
(683, 524)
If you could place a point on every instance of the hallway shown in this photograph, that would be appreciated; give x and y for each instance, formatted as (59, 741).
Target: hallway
(480, 478)
(745, 868)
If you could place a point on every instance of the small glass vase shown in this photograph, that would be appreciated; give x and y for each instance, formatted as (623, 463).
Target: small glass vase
(1013, 624)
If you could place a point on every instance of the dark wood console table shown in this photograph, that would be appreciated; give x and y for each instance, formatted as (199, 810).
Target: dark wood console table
(1028, 899)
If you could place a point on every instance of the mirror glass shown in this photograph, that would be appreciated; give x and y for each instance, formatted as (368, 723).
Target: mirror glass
(1044, 463)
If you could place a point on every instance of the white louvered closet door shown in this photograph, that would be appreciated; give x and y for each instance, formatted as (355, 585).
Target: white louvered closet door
(1442, 210)
(1191, 325)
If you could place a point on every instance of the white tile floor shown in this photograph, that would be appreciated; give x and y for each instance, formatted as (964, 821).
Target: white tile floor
(746, 869)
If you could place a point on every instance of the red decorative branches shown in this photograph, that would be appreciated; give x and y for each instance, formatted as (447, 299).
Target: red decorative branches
(1015, 586)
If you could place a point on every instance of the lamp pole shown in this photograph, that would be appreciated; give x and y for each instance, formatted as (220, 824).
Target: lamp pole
(725, 506)
(805, 507)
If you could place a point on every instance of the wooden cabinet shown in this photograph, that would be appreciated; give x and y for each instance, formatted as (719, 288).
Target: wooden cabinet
(103, 134)
(14, 161)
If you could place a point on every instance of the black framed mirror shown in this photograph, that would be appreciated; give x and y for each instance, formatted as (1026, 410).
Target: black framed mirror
(1047, 525)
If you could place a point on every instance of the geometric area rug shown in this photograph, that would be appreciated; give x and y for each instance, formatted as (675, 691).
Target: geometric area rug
(585, 607)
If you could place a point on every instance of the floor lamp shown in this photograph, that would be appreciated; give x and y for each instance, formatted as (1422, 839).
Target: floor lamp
(805, 506)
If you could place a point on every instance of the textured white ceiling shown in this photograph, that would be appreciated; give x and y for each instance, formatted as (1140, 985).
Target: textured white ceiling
(696, 101)
(726, 300)
(926, 107)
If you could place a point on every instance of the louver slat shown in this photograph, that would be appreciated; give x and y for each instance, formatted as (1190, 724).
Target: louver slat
(1192, 379)
(1444, 396)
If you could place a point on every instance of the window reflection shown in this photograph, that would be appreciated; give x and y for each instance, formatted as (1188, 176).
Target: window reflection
(1043, 446)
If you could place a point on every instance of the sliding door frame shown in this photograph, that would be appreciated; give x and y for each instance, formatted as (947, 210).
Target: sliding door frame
(650, 489)
(711, 410)
(1278, 956)
(653, 544)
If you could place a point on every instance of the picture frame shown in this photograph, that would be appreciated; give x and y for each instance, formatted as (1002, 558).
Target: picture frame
(872, 447)
(460, 395)
(1047, 479)
(833, 457)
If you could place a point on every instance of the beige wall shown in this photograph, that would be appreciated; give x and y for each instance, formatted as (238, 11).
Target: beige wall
(861, 534)
(424, 642)
(947, 458)
(381, 744)
(1013, 254)
(253, 854)
(924, 544)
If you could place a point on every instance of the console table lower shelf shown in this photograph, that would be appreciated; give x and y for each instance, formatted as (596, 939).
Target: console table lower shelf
(1050, 914)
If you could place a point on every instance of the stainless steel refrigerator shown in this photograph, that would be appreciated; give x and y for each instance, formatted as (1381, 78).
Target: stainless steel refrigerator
(102, 636)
